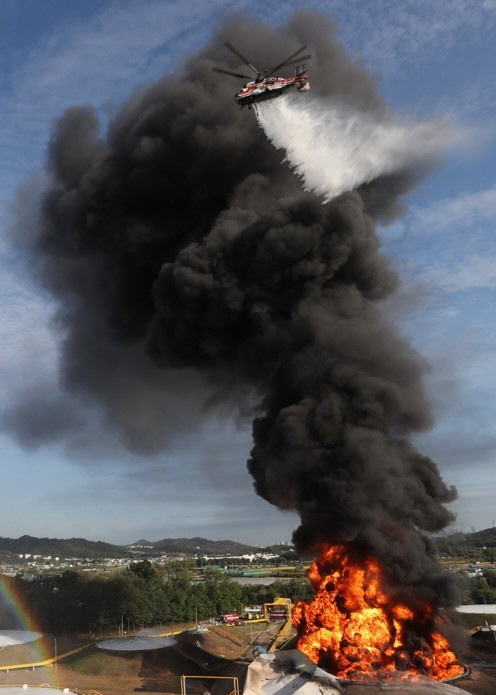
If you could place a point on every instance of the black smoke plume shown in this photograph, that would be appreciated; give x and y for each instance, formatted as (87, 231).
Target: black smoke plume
(180, 241)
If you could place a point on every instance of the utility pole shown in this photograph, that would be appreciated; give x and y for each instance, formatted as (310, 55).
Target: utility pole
(55, 654)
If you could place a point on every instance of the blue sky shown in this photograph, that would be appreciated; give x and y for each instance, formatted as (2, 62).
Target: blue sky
(431, 60)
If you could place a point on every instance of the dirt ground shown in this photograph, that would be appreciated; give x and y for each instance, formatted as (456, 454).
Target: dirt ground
(155, 671)
(480, 656)
(109, 676)
(224, 642)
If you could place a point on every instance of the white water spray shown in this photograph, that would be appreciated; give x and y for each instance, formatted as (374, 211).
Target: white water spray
(334, 148)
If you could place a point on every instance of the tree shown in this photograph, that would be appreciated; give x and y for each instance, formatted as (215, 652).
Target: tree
(490, 578)
(143, 569)
(489, 554)
(481, 591)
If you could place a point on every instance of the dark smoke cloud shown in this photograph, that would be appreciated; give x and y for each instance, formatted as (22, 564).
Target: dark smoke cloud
(181, 237)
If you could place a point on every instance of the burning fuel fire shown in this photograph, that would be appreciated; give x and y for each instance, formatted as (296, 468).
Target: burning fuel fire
(355, 630)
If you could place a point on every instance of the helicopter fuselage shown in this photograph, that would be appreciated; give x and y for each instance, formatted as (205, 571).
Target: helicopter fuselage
(265, 85)
(268, 88)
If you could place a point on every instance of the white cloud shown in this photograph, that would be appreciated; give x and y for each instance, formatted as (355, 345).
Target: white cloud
(27, 347)
(465, 211)
(475, 272)
(412, 30)
(90, 61)
(448, 245)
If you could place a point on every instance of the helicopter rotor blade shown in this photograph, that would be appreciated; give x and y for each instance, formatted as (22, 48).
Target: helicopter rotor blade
(288, 61)
(241, 57)
(234, 74)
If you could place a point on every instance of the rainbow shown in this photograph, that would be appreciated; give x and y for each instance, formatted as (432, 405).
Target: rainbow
(15, 609)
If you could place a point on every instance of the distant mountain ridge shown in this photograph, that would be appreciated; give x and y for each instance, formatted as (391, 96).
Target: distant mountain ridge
(479, 539)
(57, 547)
(83, 548)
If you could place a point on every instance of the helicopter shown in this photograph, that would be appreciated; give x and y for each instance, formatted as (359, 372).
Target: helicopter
(265, 86)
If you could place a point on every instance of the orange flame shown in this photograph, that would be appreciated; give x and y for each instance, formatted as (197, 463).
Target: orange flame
(353, 629)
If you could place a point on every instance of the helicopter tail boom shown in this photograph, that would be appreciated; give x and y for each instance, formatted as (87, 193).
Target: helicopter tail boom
(302, 84)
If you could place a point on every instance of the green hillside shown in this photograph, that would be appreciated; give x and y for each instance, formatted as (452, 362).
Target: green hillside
(472, 541)
(56, 547)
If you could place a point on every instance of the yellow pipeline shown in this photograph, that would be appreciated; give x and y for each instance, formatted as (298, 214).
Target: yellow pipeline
(47, 662)
(281, 635)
